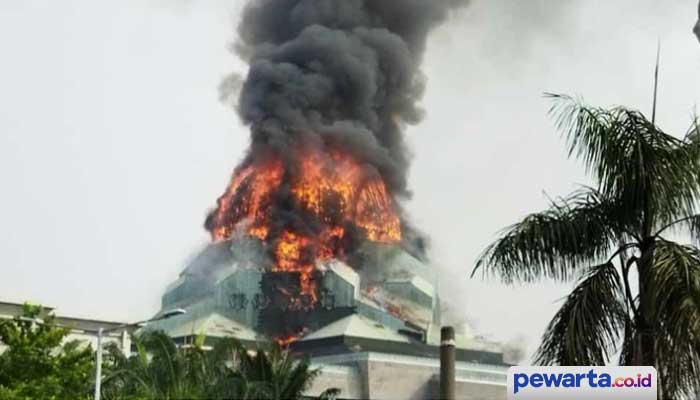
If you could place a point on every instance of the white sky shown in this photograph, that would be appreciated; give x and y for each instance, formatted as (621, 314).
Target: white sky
(113, 144)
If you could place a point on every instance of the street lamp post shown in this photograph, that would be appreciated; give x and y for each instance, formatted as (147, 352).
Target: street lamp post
(101, 331)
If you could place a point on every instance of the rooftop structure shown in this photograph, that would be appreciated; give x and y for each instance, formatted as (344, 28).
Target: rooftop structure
(393, 290)
(367, 325)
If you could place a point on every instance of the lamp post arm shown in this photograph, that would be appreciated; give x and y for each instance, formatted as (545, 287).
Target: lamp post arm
(125, 326)
(101, 331)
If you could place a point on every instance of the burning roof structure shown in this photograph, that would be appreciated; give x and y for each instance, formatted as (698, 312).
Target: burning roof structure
(233, 279)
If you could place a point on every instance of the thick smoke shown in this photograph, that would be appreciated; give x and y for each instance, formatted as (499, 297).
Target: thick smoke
(338, 73)
(515, 350)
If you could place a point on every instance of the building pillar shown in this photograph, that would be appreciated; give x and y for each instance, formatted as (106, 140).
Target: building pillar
(126, 343)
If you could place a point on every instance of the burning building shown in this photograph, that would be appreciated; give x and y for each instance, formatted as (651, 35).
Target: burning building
(309, 239)
(287, 305)
(362, 325)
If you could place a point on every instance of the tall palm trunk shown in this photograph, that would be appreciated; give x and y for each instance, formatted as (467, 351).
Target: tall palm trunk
(646, 346)
(647, 349)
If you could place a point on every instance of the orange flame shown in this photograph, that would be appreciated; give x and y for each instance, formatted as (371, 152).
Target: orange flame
(287, 340)
(332, 188)
(247, 198)
(290, 257)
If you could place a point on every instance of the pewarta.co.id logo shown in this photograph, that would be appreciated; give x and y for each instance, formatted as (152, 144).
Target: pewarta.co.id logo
(585, 383)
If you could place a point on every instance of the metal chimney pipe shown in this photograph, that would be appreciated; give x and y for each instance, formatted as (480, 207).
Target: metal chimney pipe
(447, 363)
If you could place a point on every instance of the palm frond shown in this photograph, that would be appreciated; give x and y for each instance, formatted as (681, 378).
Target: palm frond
(299, 379)
(629, 342)
(555, 244)
(161, 370)
(653, 173)
(589, 323)
(689, 225)
(676, 302)
(692, 135)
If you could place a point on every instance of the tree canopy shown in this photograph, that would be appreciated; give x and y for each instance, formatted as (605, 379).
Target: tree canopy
(647, 187)
(161, 370)
(38, 362)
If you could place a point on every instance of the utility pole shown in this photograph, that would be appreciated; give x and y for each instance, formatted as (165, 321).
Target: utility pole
(447, 363)
(101, 331)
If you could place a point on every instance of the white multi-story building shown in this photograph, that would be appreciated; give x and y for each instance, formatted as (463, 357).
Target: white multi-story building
(81, 329)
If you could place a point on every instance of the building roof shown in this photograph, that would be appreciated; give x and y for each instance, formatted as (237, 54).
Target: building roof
(12, 307)
(213, 325)
(9, 310)
(347, 344)
(356, 326)
(417, 282)
(344, 271)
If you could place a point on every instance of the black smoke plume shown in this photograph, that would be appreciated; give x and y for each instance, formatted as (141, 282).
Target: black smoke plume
(342, 73)
(326, 77)
(333, 75)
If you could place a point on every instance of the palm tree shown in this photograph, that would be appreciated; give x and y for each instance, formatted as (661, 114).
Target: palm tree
(637, 291)
(157, 370)
(161, 370)
(275, 375)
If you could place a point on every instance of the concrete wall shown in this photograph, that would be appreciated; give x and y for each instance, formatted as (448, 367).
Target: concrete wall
(467, 390)
(345, 378)
(392, 380)
(390, 376)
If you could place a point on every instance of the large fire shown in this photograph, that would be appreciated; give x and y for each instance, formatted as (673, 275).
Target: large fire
(334, 196)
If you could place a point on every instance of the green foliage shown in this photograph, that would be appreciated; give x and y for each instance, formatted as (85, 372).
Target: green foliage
(599, 290)
(647, 184)
(37, 365)
(274, 375)
(156, 371)
(555, 244)
(161, 370)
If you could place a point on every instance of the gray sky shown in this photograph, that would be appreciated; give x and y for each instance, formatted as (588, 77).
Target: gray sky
(113, 144)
